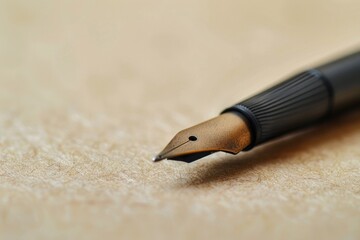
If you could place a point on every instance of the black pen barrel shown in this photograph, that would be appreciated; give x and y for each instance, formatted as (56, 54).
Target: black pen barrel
(302, 100)
(344, 78)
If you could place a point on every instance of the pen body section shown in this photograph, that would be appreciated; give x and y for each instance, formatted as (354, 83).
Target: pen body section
(302, 99)
(299, 101)
(344, 77)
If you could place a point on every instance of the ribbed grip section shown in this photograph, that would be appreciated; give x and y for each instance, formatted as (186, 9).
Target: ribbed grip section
(299, 101)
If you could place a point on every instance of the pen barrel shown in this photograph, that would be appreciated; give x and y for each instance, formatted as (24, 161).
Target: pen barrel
(344, 77)
(301, 100)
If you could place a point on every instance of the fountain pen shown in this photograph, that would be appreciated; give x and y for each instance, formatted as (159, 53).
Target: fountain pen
(306, 98)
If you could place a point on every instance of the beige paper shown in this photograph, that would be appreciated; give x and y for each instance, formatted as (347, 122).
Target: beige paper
(91, 90)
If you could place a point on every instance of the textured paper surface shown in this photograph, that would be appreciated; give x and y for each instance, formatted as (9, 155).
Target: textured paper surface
(90, 90)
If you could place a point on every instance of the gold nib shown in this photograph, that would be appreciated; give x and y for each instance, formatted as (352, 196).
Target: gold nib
(227, 132)
(157, 158)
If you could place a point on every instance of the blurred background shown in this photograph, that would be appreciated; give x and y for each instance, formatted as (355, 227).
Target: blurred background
(90, 90)
(135, 54)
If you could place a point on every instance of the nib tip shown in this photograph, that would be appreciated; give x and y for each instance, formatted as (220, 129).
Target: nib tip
(157, 158)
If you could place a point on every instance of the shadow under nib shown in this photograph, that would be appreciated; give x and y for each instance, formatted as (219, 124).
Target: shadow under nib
(228, 133)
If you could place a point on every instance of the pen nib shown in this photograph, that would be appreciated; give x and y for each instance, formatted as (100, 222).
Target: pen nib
(157, 158)
(227, 132)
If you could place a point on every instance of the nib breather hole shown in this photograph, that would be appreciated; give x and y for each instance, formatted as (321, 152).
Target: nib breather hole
(192, 138)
